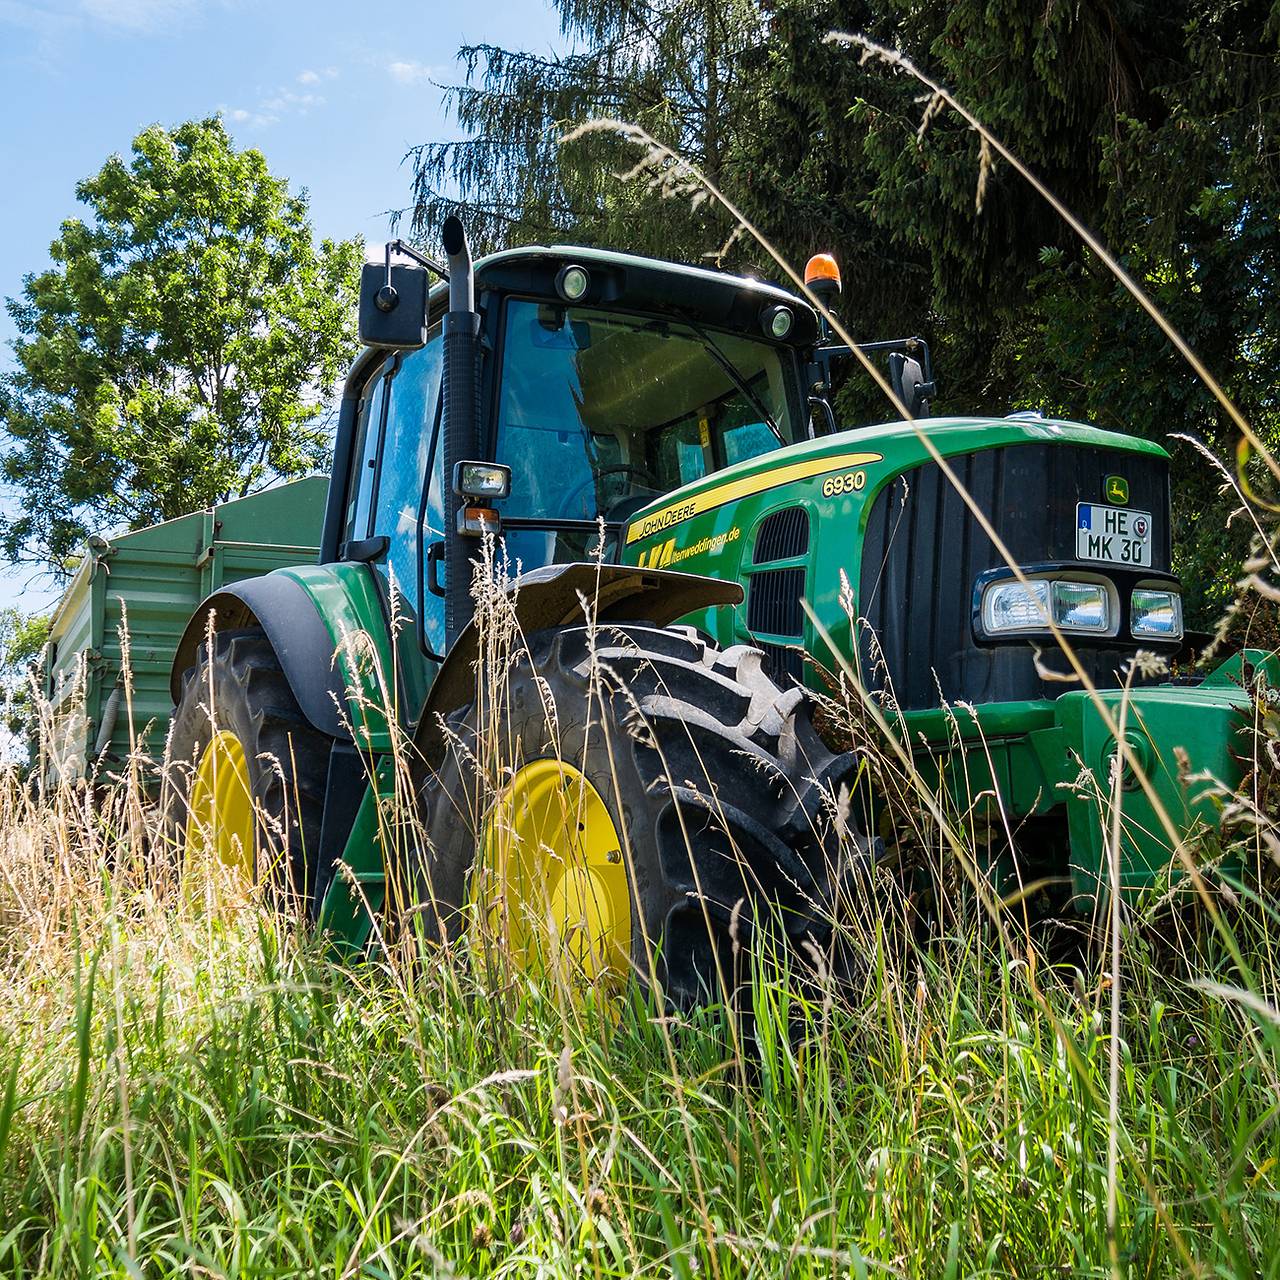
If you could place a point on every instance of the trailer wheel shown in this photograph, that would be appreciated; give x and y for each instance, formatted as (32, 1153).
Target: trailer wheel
(246, 773)
(638, 813)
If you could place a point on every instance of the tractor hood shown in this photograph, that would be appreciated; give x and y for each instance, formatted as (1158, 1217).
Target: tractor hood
(858, 547)
(878, 452)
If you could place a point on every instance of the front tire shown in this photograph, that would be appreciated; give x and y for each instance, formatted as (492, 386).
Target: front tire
(643, 809)
(246, 772)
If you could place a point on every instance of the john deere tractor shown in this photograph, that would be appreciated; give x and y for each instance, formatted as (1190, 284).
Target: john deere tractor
(656, 780)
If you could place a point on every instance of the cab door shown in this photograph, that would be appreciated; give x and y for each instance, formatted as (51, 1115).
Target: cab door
(395, 511)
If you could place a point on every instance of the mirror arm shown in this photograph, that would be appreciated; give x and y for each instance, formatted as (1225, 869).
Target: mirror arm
(914, 347)
(408, 251)
(828, 413)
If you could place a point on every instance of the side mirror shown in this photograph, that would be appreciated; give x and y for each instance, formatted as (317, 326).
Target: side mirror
(906, 375)
(393, 307)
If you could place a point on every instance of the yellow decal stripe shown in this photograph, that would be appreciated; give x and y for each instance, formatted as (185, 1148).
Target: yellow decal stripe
(710, 499)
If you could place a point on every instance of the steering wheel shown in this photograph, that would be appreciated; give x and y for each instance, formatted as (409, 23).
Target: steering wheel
(624, 468)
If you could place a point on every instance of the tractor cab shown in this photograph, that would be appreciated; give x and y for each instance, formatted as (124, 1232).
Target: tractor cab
(589, 385)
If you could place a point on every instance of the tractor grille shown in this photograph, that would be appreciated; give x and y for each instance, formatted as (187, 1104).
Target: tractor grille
(773, 595)
(773, 602)
(782, 536)
(924, 551)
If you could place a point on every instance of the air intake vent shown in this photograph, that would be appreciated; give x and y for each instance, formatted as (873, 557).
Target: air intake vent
(782, 535)
(773, 602)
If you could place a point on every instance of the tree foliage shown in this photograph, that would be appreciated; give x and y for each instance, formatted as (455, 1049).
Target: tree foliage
(22, 641)
(1154, 122)
(676, 67)
(179, 351)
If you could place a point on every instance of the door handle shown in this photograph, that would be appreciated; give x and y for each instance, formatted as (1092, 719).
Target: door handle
(435, 553)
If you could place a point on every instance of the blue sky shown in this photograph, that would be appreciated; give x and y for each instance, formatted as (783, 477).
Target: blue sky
(333, 95)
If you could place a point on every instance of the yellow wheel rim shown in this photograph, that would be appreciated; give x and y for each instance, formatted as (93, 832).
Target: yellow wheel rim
(550, 880)
(220, 823)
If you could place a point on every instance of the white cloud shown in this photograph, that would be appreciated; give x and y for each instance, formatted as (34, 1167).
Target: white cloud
(288, 100)
(256, 117)
(311, 76)
(136, 15)
(409, 72)
(45, 23)
(284, 101)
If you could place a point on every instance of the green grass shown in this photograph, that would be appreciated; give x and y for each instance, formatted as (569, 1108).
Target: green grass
(183, 1094)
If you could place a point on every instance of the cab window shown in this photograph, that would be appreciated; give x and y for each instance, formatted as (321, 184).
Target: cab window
(407, 437)
(599, 412)
(365, 455)
(396, 446)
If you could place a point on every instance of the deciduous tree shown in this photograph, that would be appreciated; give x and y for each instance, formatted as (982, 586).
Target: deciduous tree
(181, 349)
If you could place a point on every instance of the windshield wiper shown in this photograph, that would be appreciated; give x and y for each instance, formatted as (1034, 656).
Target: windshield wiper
(736, 378)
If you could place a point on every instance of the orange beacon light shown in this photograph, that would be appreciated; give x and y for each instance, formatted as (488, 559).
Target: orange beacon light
(822, 275)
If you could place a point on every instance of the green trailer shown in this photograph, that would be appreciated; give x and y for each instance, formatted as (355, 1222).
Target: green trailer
(140, 588)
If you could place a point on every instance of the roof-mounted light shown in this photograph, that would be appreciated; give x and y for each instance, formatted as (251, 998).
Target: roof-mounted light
(822, 275)
(777, 321)
(572, 282)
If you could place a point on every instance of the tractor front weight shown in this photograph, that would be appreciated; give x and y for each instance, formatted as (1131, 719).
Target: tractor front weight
(1187, 751)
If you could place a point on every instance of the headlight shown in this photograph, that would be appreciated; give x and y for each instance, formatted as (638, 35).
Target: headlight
(1156, 613)
(1081, 606)
(1009, 607)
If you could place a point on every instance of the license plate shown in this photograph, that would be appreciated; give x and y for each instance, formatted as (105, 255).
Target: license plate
(1113, 535)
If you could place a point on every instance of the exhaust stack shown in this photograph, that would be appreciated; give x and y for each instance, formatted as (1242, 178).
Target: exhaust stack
(460, 390)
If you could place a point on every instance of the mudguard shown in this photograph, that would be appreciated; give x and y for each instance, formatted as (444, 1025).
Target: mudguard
(327, 626)
(562, 594)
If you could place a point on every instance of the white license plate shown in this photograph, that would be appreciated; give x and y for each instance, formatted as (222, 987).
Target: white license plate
(1113, 535)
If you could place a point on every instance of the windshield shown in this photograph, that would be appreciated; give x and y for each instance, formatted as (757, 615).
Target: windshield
(598, 413)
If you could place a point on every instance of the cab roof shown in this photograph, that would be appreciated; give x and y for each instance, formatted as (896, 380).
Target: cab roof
(629, 281)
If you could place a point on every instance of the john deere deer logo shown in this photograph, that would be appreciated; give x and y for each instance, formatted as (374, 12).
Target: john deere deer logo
(1117, 489)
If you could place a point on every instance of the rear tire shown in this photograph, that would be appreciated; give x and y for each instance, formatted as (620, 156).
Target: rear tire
(720, 790)
(239, 692)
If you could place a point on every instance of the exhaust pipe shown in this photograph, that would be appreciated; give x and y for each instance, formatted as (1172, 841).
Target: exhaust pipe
(462, 283)
(460, 392)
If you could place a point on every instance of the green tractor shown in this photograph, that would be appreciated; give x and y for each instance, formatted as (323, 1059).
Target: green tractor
(651, 446)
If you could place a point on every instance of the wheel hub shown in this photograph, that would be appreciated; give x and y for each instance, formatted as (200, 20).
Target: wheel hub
(220, 813)
(550, 881)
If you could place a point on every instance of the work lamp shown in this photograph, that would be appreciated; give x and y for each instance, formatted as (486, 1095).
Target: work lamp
(489, 480)
(776, 321)
(572, 282)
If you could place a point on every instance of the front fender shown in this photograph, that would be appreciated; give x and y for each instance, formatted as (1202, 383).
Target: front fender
(327, 627)
(561, 595)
